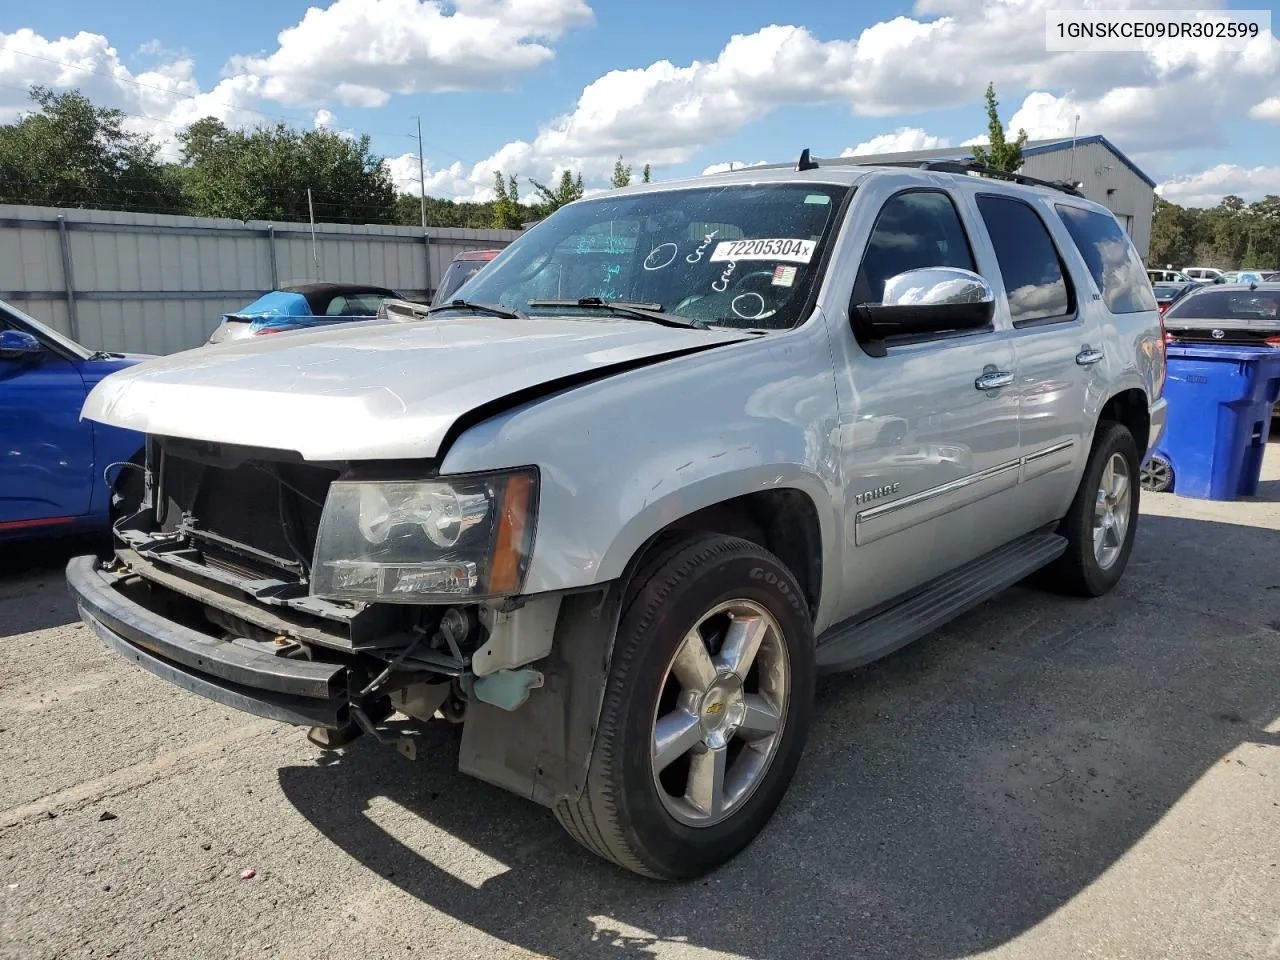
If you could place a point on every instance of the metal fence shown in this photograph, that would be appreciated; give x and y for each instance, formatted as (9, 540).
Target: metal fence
(148, 283)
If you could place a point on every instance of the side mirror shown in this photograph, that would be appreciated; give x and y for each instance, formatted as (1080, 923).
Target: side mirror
(18, 345)
(924, 301)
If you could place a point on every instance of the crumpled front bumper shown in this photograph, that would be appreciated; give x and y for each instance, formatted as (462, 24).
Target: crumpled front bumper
(302, 692)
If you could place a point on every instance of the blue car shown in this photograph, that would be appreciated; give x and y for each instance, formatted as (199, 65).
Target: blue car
(52, 463)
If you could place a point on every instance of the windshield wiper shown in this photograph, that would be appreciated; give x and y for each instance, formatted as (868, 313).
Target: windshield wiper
(626, 308)
(105, 355)
(486, 308)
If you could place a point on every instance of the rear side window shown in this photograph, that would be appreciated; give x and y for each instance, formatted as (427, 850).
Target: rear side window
(919, 228)
(1034, 280)
(1111, 259)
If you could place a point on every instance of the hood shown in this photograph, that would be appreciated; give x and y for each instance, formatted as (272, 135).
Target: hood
(369, 391)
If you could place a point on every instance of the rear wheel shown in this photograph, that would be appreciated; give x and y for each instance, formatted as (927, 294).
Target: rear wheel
(705, 714)
(1103, 518)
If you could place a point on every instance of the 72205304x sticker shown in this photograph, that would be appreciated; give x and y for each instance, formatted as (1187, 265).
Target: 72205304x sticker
(794, 250)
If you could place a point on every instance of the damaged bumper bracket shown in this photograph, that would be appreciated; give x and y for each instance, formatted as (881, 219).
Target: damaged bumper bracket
(302, 692)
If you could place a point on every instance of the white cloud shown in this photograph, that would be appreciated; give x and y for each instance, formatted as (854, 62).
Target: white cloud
(1268, 109)
(901, 140)
(1208, 187)
(731, 165)
(324, 118)
(363, 51)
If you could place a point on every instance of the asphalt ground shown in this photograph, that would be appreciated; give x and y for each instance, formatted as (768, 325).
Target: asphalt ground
(1046, 777)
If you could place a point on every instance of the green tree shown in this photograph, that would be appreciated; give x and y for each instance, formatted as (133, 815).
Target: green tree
(71, 153)
(264, 174)
(507, 213)
(568, 190)
(644, 177)
(621, 174)
(999, 154)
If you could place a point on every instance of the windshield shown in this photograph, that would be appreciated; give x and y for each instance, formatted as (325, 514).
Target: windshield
(40, 330)
(736, 255)
(1228, 305)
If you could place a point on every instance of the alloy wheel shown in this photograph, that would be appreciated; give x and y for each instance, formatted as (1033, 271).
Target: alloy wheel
(720, 713)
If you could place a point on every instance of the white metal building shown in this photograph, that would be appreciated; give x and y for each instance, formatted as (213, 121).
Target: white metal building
(1105, 175)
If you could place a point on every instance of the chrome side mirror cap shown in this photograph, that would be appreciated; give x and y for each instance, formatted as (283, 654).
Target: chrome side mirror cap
(936, 285)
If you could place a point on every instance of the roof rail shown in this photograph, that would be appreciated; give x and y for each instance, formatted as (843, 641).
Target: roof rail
(972, 166)
(957, 166)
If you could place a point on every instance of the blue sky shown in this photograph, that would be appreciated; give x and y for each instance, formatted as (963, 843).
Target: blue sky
(534, 86)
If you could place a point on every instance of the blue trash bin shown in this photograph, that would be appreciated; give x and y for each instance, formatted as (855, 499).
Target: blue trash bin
(1220, 401)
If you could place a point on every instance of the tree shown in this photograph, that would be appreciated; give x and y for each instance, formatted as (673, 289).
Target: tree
(264, 174)
(71, 153)
(645, 174)
(568, 190)
(999, 154)
(621, 174)
(1227, 236)
(507, 214)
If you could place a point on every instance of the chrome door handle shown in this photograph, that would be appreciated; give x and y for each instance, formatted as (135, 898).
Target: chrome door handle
(1088, 355)
(994, 380)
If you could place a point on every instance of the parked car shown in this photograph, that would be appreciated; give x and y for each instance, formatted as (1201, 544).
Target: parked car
(1169, 293)
(684, 446)
(1241, 276)
(1202, 274)
(1229, 314)
(59, 474)
(302, 305)
(464, 266)
(1168, 276)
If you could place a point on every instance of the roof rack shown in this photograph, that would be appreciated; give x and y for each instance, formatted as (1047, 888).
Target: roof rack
(972, 166)
(966, 167)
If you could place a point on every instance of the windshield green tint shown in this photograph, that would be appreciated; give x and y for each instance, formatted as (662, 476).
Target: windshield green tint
(742, 256)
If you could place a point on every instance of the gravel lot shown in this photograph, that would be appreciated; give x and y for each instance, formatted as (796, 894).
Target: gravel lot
(1044, 778)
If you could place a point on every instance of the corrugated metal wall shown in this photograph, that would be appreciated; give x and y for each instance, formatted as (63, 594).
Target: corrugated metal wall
(148, 283)
(1099, 170)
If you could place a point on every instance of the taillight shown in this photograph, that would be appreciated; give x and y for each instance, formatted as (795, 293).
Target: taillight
(266, 330)
(1272, 341)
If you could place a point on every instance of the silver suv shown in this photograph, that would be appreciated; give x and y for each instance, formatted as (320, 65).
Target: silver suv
(673, 453)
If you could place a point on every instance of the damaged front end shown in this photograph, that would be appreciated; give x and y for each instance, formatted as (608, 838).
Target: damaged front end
(213, 586)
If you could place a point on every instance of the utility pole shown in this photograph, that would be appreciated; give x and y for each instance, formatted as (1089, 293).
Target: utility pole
(422, 178)
(422, 194)
(315, 255)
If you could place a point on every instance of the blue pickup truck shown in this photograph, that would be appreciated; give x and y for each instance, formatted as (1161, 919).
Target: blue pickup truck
(58, 474)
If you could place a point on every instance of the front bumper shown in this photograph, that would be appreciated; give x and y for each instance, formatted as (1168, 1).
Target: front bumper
(302, 692)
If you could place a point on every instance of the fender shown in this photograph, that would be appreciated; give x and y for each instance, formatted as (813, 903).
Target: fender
(623, 458)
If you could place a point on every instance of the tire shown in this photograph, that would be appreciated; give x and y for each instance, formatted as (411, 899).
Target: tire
(627, 813)
(1081, 571)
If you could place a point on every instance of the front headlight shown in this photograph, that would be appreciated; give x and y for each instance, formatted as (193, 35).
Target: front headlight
(418, 541)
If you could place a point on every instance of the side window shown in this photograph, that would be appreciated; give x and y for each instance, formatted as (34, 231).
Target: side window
(337, 307)
(1034, 279)
(919, 228)
(1109, 254)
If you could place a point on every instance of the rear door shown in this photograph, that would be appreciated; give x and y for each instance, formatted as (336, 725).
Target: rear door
(46, 450)
(1056, 341)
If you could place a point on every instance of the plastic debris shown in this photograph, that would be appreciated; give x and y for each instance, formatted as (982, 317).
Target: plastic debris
(248, 874)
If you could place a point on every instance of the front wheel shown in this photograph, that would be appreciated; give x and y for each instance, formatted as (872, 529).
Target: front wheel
(706, 710)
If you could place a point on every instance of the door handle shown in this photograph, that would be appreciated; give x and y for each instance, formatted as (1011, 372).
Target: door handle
(1088, 355)
(993, 380)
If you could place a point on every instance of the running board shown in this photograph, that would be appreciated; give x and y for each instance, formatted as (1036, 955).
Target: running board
(852, 644)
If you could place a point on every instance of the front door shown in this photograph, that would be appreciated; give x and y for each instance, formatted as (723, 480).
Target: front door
(46, 450)
(926, 443)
